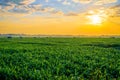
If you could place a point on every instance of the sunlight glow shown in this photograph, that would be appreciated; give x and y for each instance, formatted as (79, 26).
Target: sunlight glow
(95, 19)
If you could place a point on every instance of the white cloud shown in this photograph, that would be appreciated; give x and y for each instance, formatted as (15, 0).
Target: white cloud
(72, 14)
(46, 0)
(82, 1)
(23, 2)
(66, 2)
(27, 9)
(47, 9)
(101, 2)
(0, 7)
(26, 2)
(57, 13)
(115, 10)
(59, 0)
(8, 7)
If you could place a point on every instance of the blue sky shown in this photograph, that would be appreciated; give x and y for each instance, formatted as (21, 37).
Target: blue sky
(40, 7)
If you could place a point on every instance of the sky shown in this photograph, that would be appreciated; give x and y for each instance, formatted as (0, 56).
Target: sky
(60, 17)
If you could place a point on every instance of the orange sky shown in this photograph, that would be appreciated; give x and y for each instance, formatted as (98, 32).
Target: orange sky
(93, 21)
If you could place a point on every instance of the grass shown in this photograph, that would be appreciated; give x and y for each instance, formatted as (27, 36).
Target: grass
(60, 58)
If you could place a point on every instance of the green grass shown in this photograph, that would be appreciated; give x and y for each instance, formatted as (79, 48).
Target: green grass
(60, 59)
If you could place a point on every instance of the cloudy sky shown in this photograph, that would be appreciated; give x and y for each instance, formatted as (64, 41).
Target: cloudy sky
(60, 17)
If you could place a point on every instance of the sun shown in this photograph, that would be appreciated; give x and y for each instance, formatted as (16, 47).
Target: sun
(95, 19)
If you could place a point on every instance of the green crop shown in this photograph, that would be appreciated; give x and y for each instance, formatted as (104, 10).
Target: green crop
(59, 58)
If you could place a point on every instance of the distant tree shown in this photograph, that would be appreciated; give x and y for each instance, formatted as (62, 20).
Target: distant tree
(112, 37)
(34, 37)
(20, 37)
(9, 37)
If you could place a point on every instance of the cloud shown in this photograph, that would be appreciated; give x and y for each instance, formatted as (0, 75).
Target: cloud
(23, 2)
(115, 11)
(59, 0)
(46, 0)
(57, 13)
(106, 13)
(72, 14)
(12, 5)
(97, 2)
(22, 7)
(26, 2)
(65, 2)
(29, 9)
(0, 7)
(7, 7)
(101, 2)
(7, 10)
(82, 1)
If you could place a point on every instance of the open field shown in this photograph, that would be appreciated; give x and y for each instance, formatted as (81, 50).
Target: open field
(60, 58)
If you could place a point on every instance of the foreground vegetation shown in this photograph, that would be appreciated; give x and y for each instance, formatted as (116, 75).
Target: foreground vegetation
(60, 58)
